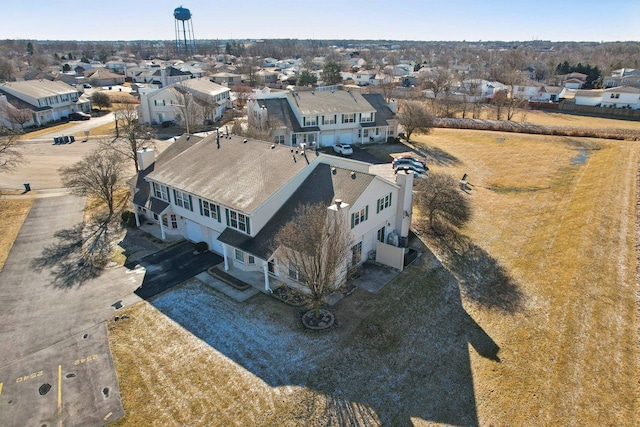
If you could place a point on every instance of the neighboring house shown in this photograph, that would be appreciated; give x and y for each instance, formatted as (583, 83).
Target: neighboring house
(621, 97)
(167, 104)
(587, 97)
(529, 90)
(550, 94)
(364, 77)
(323, 118)
(103, 77)
(228, 79)
(49, 101)
(168, 76)
(236, 194)
(622, 77)
(264, 77)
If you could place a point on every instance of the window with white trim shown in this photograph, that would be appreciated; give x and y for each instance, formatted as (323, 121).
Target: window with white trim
(329, 120)
(360, 216)
(293, 271)
(384, 203)
(182, 199)
(310, 121)
(238, 221)
(210, 210)
(239, 255)
(348, 118)
(278, 139)
(161, 191)
(366, 117)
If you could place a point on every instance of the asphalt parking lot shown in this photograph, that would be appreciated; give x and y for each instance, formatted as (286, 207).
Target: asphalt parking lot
(72, 383)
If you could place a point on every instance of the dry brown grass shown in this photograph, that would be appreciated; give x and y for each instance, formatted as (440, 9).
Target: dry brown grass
(554, 215)
(105, 129)
(13, 213)
(47, 130)
(559, 214)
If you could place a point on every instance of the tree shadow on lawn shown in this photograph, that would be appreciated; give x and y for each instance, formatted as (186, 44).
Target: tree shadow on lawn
(79, 254)
(481, 277)
(436, 156)
(391, 357)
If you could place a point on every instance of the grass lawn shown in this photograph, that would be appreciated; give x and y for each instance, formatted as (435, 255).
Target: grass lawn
(13, 213)
(530, 320)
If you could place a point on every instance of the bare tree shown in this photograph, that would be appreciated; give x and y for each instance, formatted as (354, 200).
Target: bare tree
(10, 157)
(130, 135)
(443, 202)
(414, 116)
(100, 174)
(19, 116)
(189, 110)
(101, 100)
(242, 93)
(315, 246)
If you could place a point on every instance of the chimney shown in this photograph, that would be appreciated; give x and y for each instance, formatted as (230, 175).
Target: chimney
(146, 157)
(393, 106)
(404, 202)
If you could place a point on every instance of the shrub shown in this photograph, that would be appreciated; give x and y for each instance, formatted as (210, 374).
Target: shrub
(202, 247)
(128, 218)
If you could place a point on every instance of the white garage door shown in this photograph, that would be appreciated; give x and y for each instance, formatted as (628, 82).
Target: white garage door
(193, 231)
(346, 137)
(327, 140)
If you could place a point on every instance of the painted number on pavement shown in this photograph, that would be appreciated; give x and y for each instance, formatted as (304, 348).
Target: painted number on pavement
(85, 360)
(29, 377)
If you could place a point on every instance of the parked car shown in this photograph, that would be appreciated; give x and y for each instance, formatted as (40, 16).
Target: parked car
(168, 124)
(87, 86)
(415, 159)
(79, 115)
(344, 149)
(409, 164)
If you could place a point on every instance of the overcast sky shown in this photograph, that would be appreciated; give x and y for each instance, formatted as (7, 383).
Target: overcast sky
(470, 20)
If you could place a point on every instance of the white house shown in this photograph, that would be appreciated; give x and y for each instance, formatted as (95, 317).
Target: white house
(210, 101)
(364, 77)
(235, 194)
(621, 97)
(323, 118)
(48, 100)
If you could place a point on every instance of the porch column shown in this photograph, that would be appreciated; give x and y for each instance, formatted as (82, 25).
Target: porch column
(162, 235)
(265, 269)
(135, 213)
(226, 260)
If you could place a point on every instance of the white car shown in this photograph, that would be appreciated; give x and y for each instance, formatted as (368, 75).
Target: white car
(344, 149)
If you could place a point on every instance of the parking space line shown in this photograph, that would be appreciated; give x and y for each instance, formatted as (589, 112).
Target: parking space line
(60, 395)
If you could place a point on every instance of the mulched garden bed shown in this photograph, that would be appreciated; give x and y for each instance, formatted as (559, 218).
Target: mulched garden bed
(289, 296)
(228, 279)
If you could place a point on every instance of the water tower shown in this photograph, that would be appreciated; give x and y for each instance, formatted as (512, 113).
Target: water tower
(185, 43)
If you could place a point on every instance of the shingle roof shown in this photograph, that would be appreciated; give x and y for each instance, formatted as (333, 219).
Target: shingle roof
(325, 184)
(623, 89)
(279, 110)
(39, 88)
(326, 102)
(383, 112)
(234, 174)
(203, 85)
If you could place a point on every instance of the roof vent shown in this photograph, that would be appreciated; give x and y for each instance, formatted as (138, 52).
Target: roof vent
(353, 175)
(333, 170)
(338, 203)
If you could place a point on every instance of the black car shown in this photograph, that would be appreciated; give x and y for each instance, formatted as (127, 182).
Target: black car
(79, 115)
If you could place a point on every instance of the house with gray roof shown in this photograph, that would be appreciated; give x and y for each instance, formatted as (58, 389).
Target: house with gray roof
(48, 101)
(323, 117)
(235, 194)
(200, 99)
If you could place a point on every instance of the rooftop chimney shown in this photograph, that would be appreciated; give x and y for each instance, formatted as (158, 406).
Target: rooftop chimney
(338, 203)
